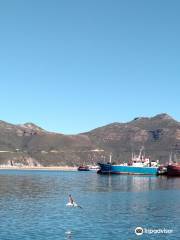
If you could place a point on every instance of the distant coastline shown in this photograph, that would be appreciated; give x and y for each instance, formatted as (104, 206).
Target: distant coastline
(52, 168)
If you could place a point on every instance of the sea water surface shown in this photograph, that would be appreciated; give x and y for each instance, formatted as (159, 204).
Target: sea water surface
(33, 206)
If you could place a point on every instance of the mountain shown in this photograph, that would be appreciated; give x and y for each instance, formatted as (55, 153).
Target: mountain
(29, 144)
(159, 135)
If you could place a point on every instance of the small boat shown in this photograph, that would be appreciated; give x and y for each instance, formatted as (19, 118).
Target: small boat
(83, 168)
(93, 167)
(138, 165)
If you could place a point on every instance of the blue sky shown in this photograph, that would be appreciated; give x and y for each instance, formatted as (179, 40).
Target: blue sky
(70, 66)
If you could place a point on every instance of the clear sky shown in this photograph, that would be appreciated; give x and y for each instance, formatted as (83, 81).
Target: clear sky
(73, 65)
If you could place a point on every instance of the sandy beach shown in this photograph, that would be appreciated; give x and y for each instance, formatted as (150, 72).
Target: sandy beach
(52, 168)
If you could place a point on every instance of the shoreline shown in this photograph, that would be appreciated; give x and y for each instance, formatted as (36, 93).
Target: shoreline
(52, 168)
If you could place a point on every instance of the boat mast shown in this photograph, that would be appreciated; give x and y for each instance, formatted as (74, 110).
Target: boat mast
(132, 156)
(140, 152)
(110, 158)
(170, 157)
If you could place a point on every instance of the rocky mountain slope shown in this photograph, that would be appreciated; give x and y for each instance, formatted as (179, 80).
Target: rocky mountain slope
(29, 144)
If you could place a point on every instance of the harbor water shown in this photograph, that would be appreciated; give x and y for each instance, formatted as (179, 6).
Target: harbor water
(33, 206)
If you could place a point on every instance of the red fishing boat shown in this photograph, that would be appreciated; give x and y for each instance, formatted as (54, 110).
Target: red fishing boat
(83, 168)
(173, 169)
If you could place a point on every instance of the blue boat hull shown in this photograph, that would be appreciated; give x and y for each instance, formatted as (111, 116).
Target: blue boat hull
(118, 169)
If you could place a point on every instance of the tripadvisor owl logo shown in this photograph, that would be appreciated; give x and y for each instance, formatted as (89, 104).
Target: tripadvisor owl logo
(139, 231)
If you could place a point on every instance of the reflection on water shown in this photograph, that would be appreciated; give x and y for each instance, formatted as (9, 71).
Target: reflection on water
(129, 183)
(32, 205)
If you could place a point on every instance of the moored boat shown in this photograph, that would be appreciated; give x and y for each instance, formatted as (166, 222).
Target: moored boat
(123, 169)
(83, 168)
(138, 165)
(173, 169)
(93, 167)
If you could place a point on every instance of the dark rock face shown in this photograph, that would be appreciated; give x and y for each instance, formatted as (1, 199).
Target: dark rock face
(29, 144)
